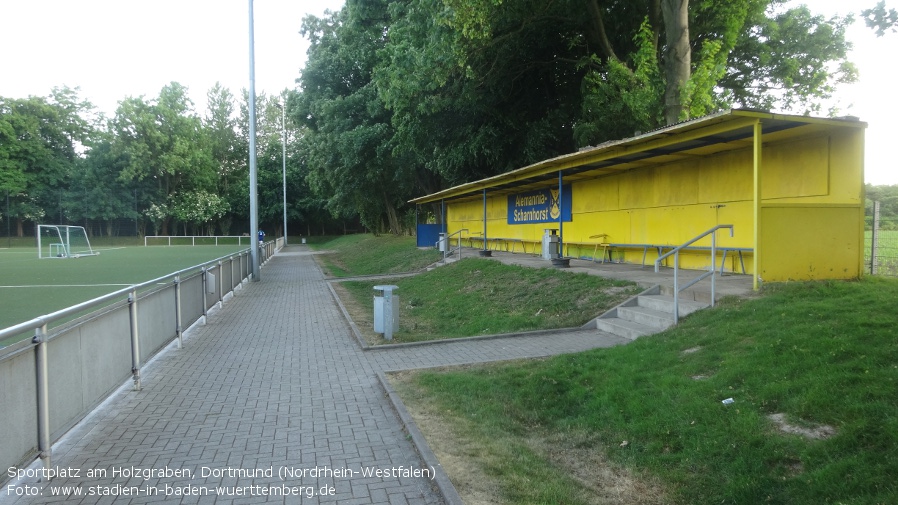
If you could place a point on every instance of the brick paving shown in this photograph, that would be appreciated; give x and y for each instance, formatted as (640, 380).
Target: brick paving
(274, 380)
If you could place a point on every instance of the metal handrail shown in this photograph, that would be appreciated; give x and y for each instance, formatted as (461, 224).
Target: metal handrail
(448, 238)
(676, 253)
(52, 317)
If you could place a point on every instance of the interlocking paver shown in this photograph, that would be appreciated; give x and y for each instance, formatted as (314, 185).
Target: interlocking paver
(274, 382)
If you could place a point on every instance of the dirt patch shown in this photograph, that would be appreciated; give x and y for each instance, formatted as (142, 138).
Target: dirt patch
(811, 431)
(465, 461)
(326, 265)
(362, 316)
(606, 484)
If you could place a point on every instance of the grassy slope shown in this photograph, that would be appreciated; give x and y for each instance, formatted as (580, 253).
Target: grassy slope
(482, 297)
(470, 297)
(364, 254)
(822, 353)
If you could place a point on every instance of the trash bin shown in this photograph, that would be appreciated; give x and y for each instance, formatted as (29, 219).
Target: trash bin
(550, 243)
(443, 243)
(386, 310)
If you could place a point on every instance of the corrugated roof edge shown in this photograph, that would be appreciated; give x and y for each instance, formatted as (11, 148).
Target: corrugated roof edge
(467, 188)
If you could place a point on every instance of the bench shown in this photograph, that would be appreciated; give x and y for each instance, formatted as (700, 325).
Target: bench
(595, 247)
(645, 249)
(661, 248)
(497, 242)
(726, 250)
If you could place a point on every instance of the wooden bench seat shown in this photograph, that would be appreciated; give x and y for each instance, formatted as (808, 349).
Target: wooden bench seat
(661, 248)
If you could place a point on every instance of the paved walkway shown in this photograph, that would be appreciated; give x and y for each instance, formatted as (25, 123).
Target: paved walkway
(274, 381)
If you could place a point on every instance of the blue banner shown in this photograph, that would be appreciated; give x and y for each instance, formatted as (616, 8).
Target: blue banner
(540, 206)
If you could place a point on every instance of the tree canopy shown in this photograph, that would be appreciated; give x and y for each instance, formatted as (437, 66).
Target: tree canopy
(403, 97)
(400, 98)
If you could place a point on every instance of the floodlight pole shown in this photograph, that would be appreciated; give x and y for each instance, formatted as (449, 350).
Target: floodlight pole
(253, 174)
(284, 145)
(8, 236)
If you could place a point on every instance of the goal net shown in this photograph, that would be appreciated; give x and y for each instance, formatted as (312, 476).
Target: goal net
(61, 241)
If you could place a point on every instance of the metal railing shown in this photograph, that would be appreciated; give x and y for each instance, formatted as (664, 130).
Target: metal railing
(447, 250)
(676, 254)
(65, 371)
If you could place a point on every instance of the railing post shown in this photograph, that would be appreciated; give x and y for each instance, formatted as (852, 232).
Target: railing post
(179, 329)
(220, 285)
(135, 339)
(676, 309)
(43, 396)
(233, 286)
(713, 263)
(205, 289)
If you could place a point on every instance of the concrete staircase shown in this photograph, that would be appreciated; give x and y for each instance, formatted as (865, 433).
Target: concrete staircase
(452, 258)
(647, 313)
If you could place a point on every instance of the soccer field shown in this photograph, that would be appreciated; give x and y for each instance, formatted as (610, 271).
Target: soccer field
(31, 287)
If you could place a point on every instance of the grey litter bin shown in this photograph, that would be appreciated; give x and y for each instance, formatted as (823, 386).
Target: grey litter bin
(550, 243)
(386, 310)
(443, 243)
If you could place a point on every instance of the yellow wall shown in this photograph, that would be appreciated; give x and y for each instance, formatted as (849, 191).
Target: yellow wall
(811, 219)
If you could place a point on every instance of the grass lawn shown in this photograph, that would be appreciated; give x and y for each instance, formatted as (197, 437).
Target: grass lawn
(645, 422)
(30, 287)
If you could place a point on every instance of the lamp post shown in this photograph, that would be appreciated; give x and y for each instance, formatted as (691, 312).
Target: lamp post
(284, 171)
(253, 173)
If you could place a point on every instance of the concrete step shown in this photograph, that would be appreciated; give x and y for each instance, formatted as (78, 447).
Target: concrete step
(645, 314)
(664, 303)
(442, 262)
(624, 328)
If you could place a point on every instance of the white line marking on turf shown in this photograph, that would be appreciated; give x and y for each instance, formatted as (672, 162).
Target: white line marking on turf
(67, 285)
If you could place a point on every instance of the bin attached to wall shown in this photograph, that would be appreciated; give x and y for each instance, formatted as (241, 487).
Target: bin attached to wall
(386, 311)
(550, 243)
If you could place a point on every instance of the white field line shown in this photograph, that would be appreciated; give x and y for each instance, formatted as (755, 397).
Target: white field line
(68, 285)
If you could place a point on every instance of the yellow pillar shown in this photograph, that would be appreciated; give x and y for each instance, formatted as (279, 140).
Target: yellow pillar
(861, 199)
(756, 155)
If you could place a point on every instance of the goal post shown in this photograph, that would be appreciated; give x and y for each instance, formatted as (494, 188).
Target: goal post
(62, 241)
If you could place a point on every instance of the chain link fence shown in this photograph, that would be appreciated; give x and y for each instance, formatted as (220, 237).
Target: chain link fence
(881, 242)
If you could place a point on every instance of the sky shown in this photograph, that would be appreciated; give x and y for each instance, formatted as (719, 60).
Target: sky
(112, 49)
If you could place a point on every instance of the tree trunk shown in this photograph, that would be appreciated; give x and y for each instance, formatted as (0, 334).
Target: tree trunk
(598, 35)
(392, 218)
(678, 59)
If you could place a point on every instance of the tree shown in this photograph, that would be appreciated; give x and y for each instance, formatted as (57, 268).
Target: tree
(677, 57)
(887, 196)
(163, 143)
(96, 193)
(710, 54)
(880, 19)
(36, 158)
(228, 150)
(348, 137)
